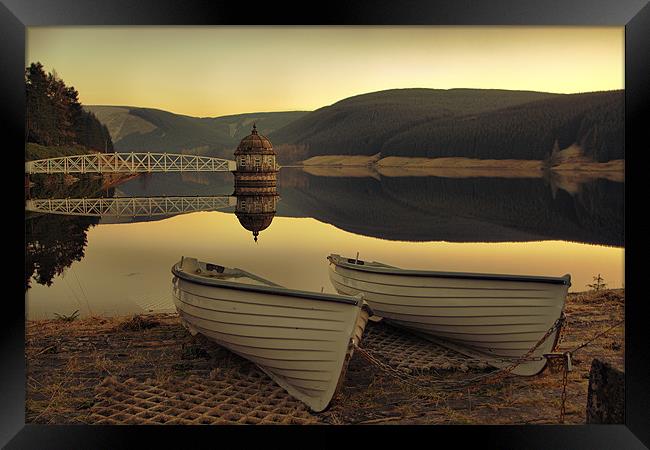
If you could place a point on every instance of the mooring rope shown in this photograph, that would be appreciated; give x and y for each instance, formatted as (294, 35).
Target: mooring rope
(584, 344)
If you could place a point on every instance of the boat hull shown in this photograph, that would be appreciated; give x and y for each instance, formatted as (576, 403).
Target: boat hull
(496, 320)
(302, 343)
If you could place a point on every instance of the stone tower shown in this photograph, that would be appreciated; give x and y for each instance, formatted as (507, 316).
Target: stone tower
(256, 167)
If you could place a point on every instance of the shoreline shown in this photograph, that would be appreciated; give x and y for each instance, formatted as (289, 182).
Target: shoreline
(77, 370)
(457, 167)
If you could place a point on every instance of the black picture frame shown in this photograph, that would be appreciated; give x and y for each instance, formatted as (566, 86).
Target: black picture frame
(634, 15)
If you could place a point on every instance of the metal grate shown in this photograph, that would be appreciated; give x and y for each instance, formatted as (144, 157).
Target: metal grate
(412, 354)
(233, 398)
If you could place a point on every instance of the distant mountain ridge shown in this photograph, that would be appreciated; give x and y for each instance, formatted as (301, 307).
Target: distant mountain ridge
(418, 122)
(147, 129)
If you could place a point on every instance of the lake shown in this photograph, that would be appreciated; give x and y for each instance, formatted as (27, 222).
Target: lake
(118, 265)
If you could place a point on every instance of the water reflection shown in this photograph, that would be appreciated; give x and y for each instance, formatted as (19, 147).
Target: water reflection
(129, 208)
(56, 232)
(472, 209)
(426, 211)
(256, 211)
(53, 243)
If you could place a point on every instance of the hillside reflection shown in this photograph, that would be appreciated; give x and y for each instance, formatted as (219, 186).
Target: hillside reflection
(473, 209)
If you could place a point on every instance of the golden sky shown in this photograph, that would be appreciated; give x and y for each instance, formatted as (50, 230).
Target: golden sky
(214, 71)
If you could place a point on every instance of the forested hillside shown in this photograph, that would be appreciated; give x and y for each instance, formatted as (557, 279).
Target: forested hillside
(472, 123)
(146, 129)
(361, 125)
(594, 121)
(54, 116)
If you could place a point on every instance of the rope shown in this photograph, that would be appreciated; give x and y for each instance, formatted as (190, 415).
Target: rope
(597, 336)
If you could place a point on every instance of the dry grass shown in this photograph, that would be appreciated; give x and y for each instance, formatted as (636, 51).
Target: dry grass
(137, 323)
(569, 160)
(67, 360)
(341, 160)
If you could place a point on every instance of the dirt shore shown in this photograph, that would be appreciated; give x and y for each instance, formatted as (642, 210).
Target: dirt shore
(569, 161)
(67, 360)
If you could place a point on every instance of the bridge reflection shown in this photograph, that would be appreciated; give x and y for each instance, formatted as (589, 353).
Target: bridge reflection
(130, 206)
(56, 235)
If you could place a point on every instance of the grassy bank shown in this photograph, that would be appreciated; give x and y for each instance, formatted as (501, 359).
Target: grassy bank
(68, 359)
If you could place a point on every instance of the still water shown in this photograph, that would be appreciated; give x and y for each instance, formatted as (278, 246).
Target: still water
(117, 265)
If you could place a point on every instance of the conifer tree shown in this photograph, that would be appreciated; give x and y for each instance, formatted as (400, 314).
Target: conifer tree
(54, 115)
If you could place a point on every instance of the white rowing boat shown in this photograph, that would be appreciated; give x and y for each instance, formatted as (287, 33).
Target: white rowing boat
(497, 318)
(302, 340)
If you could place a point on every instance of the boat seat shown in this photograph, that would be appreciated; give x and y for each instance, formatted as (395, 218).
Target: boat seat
(190, 265)
(214, 268)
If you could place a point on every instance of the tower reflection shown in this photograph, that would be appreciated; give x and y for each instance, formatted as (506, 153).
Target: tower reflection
(255, 182)
(255, 211)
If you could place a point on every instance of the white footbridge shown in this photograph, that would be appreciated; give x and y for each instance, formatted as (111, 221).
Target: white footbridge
(129, 206)
(129, 163)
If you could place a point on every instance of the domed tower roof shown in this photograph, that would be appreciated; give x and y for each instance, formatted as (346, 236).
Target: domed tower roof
(255, 144)
(255, 222)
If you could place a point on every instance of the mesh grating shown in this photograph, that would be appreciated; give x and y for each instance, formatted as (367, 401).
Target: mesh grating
(245, 395)
(410, 353)
(234, 398)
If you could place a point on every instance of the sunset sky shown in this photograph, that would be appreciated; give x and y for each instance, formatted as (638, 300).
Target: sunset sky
(214, 71)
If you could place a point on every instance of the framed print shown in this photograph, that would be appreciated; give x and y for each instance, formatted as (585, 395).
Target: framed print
(414, 216)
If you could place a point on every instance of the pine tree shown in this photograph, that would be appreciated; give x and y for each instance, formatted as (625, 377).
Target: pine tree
(55, 116)
(598, 283)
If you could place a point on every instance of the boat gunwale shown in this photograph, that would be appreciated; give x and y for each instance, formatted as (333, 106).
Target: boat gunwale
(341, 261)
(272, 290)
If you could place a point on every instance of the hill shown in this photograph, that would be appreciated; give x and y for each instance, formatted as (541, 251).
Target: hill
(474, 123)
(594, 121)
(432, 123)
(146, 129)
(360, 125)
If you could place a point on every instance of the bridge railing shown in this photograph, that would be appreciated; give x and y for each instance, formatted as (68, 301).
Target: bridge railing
(129, 163)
